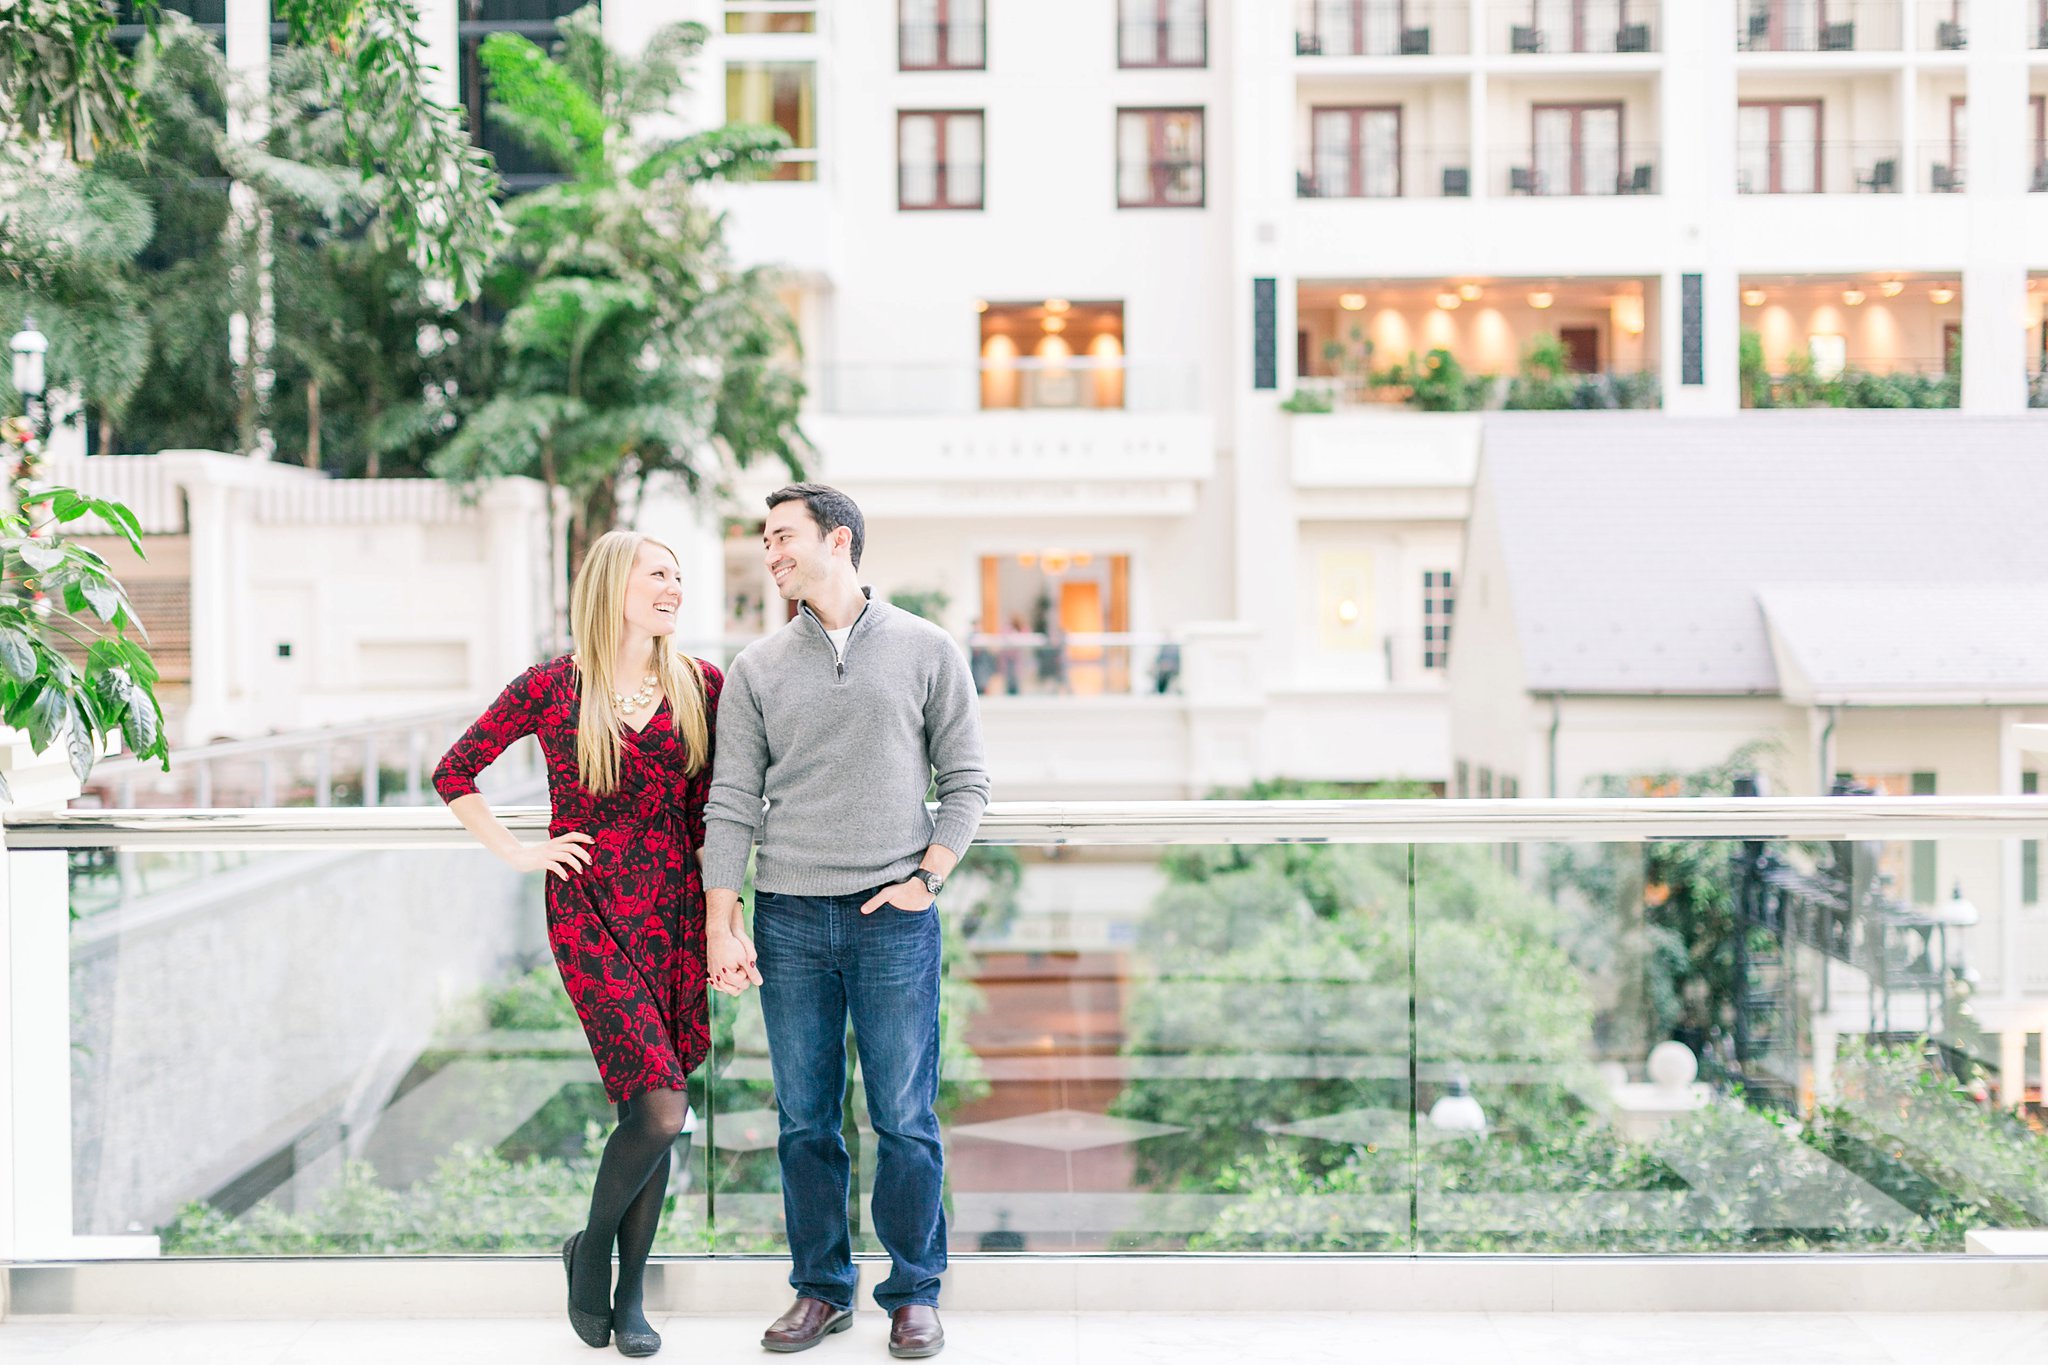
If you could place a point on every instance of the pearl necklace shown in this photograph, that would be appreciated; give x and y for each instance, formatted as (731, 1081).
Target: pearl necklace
(626, 706)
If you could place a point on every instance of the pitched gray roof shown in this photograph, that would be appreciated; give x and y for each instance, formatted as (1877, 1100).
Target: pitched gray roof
(1637, 543)
(1975, 643)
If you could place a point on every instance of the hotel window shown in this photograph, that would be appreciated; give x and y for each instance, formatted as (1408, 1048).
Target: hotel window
(2038, 181)
(771, 16)
(1158, 158)
(1356, 151)
(534, 20)
(941, 35)
(1439, 598)
(131, 24)
(1777, 147)
(1463, 787)
(938, 159)
(1162, 33)
(1486, 784)
(784, 94)
(1058, 353)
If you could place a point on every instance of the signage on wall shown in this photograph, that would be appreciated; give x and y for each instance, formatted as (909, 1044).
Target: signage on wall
(1692, 346)
(1265, 335)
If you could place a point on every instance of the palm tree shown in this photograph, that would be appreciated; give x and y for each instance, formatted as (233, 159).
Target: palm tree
(630, 345)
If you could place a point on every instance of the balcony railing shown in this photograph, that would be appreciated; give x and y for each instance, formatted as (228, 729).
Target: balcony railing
(2037, 389)
(1943, 170)
(1576, 171)
(1365, 1026)
(1162, 43)
(945, 185)
(941, 47)
(1818, 168)
(1381, 28)
(1519, 28)
(1944, 26)
(1818, 26)
(1033, 664)
(1409, 172)
(2038, 182)
(1081, 383)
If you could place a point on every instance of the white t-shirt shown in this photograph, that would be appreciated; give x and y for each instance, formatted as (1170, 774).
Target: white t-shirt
(838, 639)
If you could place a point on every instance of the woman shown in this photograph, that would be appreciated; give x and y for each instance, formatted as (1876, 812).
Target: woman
(625, 724)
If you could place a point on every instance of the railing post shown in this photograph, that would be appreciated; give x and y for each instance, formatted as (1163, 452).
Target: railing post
(266, 796)
(415, 759)
(202, 785)
(370, 771)
(323, 775)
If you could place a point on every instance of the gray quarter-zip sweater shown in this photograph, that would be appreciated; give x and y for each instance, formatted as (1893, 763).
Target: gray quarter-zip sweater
(843, 749)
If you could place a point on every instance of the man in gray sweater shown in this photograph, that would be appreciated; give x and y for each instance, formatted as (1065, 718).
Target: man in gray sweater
(830, 733)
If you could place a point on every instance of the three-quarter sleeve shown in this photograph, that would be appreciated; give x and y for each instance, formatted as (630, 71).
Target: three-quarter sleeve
(698, 793)
(515, 714)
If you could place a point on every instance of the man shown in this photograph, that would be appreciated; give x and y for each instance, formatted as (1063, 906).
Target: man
(830, 732)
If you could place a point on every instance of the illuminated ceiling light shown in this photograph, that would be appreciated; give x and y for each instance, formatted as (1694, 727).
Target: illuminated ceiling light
(981, 305)
(1891, 289)
(1542, 298)
(1852, 297)
(1055, 325)
(1447, 301)
(1469, 292)
(1055, 561)
(1753, 297)
(1941, 295)
(1351, 303)
(1082, 559)
(1347, 613)
(1057, 305)
(1628, 314)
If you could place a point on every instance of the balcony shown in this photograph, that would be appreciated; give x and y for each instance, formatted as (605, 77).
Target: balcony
(1576, 170)
(1813, 26)
(1369, 1027)
(1818, 167)
(1476, 345)
(1406, 171)
(959, 46)
(1889, 340)
(1381, 28)
(1571, 27)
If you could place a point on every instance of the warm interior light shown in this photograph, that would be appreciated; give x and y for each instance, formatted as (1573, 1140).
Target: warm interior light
(1753, 297)
(1351, 303)
(1542, 298)
(1852, 297)
(1447, 301)
(1941, 295)
(1628, 313)
(1027, 561)
(1082, 559)
(1057, 305)
(981, 305)
(1469, 292)
(1055, 561)
(1347, 612)
(1055, 324)
(1891, 289)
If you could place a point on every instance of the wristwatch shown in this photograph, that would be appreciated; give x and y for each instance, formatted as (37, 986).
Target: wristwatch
(933, 882)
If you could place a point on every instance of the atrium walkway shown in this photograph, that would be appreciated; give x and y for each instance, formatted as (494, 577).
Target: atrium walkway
(1092, 1339)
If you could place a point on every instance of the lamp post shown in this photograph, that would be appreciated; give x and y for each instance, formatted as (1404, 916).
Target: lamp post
(31, 378)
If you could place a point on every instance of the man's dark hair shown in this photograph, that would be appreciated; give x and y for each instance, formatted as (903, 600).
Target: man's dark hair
(830, 508)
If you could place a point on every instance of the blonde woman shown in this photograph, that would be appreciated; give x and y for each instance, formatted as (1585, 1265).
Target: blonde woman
(626, 725)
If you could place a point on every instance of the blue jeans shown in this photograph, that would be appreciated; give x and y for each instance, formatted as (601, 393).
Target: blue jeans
(823, 962)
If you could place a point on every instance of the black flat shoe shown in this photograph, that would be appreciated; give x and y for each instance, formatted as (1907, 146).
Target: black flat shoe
(594, 1328)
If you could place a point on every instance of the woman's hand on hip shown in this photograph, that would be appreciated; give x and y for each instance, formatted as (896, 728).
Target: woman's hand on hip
(561, 855)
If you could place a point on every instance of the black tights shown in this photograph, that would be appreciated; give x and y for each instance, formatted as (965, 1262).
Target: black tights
(625, 1206)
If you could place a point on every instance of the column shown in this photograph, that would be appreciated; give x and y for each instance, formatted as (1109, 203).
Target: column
(2012, 1067)
(1995, 259)
(1697, 172)
(441, 50)
(252, 328)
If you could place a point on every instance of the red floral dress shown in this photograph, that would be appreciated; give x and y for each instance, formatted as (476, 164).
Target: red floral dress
(628, 931)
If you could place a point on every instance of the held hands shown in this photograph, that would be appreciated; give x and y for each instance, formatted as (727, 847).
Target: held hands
(910, 896)
(729, 962)
(560, 855)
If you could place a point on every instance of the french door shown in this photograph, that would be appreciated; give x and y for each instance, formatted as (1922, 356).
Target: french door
(1778, 146)
(1576, 148)
(1357, 151)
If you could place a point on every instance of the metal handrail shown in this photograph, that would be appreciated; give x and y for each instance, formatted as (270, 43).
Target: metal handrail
(1142, 823)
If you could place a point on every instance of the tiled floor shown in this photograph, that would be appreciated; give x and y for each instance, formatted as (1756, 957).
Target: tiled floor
(1093, 1339)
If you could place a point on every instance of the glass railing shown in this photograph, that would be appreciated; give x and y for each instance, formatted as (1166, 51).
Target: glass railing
(1808, 167)
(1629, 1027)
(1520, 28)
(1077, 383)
(1407, 171)
(1811, 26)
(1576, 170)
(1381, 28)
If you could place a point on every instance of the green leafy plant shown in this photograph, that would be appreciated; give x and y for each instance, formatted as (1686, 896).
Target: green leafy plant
(630, 344)
(1440, 384)
(62, 80)
(69, 670)
(1545, 383)
(1755, 377)
(1308, 401)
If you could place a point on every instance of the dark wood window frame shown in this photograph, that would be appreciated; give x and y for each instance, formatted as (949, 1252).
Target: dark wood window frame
(1578, 109)
(1776, 139)
(1156, 27)
(943, 23)
(1354, 161)
(1579, 29)
(1157, 167)
(944, 119)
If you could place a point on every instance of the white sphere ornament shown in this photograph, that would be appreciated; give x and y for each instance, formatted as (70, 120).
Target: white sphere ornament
(1672, 1066)
(1457, 1112)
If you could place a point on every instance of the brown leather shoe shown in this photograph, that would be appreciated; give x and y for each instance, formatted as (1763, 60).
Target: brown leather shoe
(914, 1331)
(808, 1322)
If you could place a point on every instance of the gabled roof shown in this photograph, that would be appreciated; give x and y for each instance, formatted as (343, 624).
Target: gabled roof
(1637, 544)
(1981, 643)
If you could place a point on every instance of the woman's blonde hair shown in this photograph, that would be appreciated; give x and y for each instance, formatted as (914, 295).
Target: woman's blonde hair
(597, 619)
